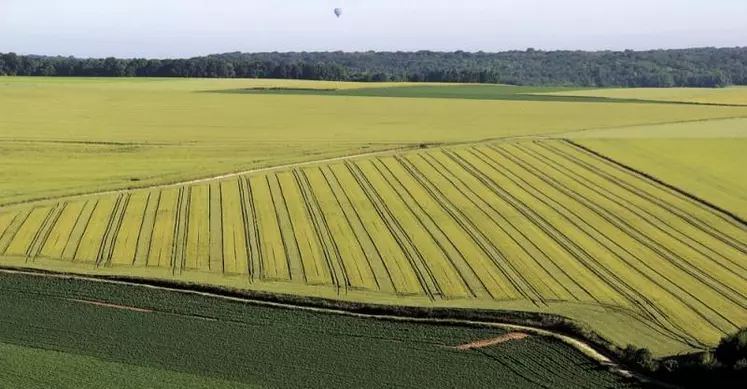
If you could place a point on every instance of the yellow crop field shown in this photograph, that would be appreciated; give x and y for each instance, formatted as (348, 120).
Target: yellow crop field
(546, 225)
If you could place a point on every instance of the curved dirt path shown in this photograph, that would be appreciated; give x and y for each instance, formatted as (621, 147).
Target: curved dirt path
(583, 347)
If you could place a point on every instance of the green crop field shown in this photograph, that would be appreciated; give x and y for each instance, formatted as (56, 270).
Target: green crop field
(724, 96)
(176, 340)
(625, 216)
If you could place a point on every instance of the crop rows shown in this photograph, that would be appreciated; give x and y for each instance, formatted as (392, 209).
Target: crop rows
(536, 221)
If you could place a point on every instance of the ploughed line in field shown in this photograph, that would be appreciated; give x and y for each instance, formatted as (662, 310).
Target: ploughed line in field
(450, 280)
(287, 230)
(44, 231)
(522, 210)
(488, 264)
(613, 250)
(76, 235)
(675, 231)
(256, 268)
(28, 231)
(621, 180)
(474, 284)
(249, 221)
(125, 245)
(391, 262)
(215, 197)
(681, 260)
(93, 235)
(310, 248)
(495, 223)
(275, 265)
(106, 250)
(352, 257)
(722, 213)
(373, 256)
(162, 238)
(60, 233)
(146, 233)
(235, 257)
(6, 219)
(329, 246)
(426, 279)
(181, 230)
(633, 296)
(629, 232)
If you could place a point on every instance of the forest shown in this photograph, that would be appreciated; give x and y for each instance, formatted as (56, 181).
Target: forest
(696, 67)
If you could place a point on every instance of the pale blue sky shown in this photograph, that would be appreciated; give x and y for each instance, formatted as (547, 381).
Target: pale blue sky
(180, 28)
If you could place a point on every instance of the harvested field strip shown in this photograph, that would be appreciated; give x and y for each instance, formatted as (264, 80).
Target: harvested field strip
(684, 233)
(309, 245)
(235, 254)
(125, 246)
(352, 258)
(491, 258)
(355, 219)
(274, 264)
(450, 283)
(329, 248)
(46, 229)
(680, 253)
(27, 232)
(60, 232)
(472, 263)
(146, 231)
(533, 243)
(215, 216)
(197, 256)
(633, 296)
(162, 240)
(719, 226)
(93, 235)
(287, 230)
(446, 188)
(620, 256)
(402, 254)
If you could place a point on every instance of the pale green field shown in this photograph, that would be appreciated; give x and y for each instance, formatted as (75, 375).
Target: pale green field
(731, 96)
(65, 136)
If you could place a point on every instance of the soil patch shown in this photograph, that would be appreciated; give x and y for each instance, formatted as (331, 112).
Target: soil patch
(115, 306)
(491, 342)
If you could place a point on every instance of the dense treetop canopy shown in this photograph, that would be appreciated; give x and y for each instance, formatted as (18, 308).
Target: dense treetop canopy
(700, 67)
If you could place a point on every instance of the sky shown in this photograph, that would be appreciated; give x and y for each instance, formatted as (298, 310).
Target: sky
(185, 28)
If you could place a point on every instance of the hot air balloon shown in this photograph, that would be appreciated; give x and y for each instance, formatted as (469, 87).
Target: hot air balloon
(338, 12)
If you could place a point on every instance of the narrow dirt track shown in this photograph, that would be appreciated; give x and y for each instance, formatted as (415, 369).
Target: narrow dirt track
(511, 336)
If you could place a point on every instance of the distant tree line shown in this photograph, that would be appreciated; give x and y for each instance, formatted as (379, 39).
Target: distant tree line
(699, 67)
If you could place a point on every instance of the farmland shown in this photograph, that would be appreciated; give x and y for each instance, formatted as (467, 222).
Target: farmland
(176, 340)
(542, 225)
(624, 216)
(716, 96)
(97, 135)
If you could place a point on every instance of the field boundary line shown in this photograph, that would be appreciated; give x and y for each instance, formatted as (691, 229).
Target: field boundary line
(583, 347)
(658, 181)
